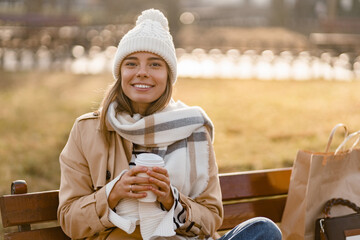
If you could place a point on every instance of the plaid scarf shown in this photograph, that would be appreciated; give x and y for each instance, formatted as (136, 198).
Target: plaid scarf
(179, 134)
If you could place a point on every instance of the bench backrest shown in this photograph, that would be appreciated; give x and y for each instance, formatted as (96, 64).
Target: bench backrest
(245, 195)
(23, 209)
(253, 194)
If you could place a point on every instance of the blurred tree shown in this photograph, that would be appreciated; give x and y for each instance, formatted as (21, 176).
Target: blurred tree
(66, 7)
(173, 14)
(247, 3)
(355, 8)
(304, 15)
(278, 13)
(114, 8)
(332, 8)
(349, 8)
(34, 6)
(125, 11)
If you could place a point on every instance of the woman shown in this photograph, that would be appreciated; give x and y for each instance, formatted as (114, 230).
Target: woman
(100, 190)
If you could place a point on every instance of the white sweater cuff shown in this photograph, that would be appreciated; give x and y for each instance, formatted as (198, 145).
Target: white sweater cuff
(127, 225)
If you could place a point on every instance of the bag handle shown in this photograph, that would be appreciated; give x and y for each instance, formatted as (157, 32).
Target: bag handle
(347, 139)
(339, 201)
(333, 133)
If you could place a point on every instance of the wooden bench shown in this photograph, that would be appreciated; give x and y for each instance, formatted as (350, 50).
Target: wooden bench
(245, 195)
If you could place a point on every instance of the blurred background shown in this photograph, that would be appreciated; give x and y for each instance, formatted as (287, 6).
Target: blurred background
(274, 75)
(262, 39)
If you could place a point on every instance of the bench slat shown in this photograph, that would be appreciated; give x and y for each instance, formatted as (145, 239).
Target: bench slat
(255, 183)
(29, 208)
(236, 213)
(54, 233)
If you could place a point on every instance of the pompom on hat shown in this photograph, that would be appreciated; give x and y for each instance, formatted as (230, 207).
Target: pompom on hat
(151, 34)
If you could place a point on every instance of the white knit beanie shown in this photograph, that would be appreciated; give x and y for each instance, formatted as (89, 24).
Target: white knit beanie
(151, 34)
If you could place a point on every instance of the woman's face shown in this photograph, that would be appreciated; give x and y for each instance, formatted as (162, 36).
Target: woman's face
(143, 79)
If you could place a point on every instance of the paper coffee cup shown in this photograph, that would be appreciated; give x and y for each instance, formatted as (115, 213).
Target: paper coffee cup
(148, 160)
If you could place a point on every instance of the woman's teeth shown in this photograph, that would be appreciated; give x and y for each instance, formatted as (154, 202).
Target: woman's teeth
(141, 86)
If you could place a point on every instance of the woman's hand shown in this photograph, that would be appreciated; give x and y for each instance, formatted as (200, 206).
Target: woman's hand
(160, 178)
(130, 186)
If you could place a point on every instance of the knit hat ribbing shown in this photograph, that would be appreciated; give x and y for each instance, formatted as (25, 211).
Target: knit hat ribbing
(151, 34)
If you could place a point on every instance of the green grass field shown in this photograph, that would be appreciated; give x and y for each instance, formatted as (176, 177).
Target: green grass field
(258, 124)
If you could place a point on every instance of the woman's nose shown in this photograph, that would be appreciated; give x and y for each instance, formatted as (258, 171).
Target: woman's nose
(143, 72)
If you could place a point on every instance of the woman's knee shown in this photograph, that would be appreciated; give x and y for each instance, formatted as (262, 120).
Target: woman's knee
(266, 227)
(258, 228)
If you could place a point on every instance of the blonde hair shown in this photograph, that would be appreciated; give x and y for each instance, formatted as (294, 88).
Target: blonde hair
(116, 93)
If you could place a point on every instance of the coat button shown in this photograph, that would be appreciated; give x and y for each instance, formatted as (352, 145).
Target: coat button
(108, 175)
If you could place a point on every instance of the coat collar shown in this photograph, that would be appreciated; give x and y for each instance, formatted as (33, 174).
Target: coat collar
(107, 124)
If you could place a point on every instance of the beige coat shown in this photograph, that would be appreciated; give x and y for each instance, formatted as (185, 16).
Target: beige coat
(88, 164)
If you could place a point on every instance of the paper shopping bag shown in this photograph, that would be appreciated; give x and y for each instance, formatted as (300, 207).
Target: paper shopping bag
(317, 177)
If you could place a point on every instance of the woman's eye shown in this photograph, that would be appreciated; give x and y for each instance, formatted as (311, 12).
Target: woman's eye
(155, 64)
(130, 64)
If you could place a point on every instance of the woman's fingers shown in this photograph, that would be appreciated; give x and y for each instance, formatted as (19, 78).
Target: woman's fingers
(135, 182)
(159, 177)
(136, 170)
(131, 183)
(159, 173)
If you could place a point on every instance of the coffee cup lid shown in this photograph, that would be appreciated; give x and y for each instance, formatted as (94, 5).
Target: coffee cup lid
(149, 160)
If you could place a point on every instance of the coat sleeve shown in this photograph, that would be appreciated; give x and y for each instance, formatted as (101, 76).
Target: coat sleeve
(205, 212)
(83, 210)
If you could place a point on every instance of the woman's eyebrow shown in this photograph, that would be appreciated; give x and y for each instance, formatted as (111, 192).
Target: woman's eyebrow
(156, 58)
(131, 58)
(149, 59)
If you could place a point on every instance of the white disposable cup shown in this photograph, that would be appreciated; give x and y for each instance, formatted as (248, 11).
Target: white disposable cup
(148, 160)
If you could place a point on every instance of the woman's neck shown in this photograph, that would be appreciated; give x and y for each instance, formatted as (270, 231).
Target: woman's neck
(140, 108)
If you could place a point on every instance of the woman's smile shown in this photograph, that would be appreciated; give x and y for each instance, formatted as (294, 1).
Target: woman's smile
(142, 86)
